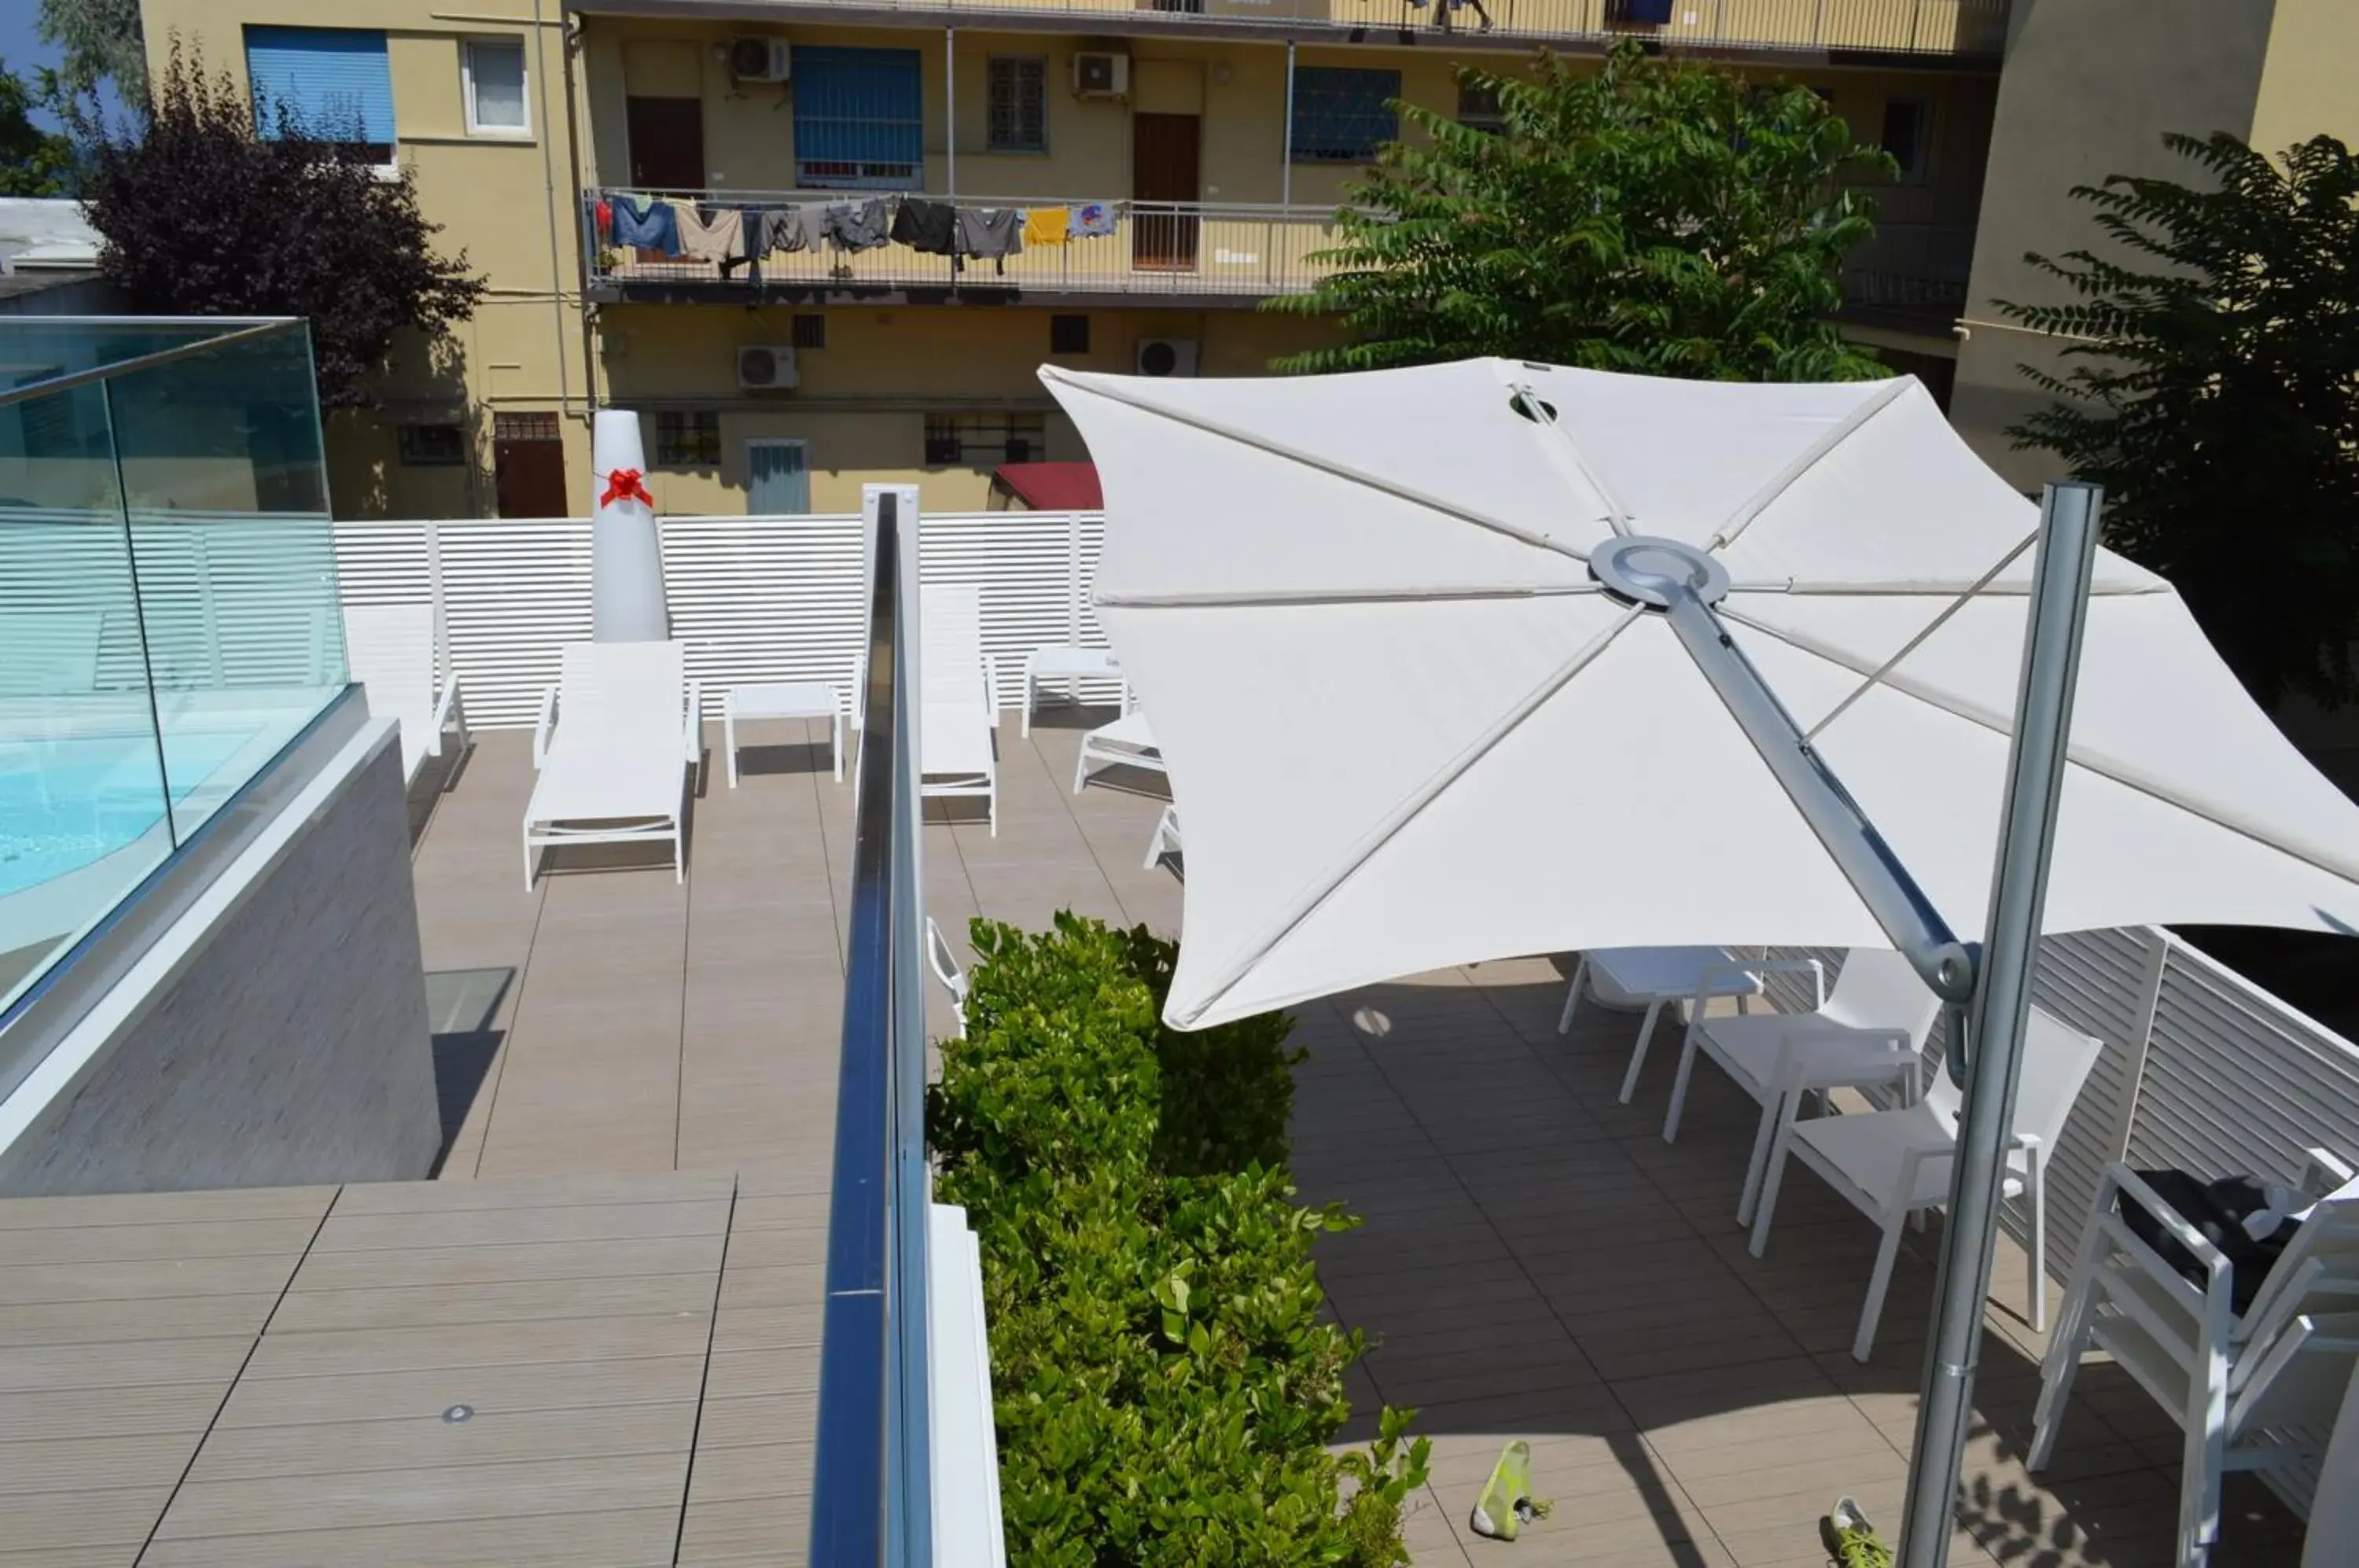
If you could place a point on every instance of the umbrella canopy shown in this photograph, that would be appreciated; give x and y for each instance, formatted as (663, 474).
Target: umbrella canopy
(1410, 727)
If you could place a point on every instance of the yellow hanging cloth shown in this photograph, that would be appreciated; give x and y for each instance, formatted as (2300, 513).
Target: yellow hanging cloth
(1045, 226)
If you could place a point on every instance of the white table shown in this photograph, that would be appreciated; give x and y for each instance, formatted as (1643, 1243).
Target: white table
(1061, 661)
(781, 700)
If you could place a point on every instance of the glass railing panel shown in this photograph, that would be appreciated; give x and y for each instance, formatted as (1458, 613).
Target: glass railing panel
(84, 815)
(226, 491)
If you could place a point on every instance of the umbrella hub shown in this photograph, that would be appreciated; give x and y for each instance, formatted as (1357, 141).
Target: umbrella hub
(1652, 573)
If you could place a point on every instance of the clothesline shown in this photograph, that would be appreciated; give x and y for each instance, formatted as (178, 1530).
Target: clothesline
(737, 234)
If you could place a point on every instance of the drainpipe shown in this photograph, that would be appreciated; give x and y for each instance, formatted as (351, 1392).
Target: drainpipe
(1286, 155)
(548, 200)
(950, 105)
(589, 238)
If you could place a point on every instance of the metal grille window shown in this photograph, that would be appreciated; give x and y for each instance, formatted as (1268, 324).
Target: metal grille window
(525, 427)
(980, 440)
(1019, 103)
(859, 118)
(1069, 334)
(811, 331)
(1907, 135)
(688, 438)
(1478, 108)
(432, 446)
(1342, 115)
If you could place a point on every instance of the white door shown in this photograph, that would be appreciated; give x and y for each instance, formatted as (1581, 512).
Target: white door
(778, 479)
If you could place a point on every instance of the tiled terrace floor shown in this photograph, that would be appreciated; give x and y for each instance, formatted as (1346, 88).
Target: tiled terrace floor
(1536, 1262)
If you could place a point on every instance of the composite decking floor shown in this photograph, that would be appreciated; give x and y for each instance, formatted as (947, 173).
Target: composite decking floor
(618, 1274)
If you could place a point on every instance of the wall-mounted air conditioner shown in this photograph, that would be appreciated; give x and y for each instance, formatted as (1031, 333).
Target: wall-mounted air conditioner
(1166, 356)
(761, 369)
(760, 59)
(1099, 75)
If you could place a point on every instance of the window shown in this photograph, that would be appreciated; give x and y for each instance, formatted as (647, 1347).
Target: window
(689, 439)
(525, 427)
(1019, 103)
(984, 439)
(1343, 116)
(1069, 334)
(493, 73)
(1644, 13)
(328, 82)
(1478, 108)
(432, 446)
(810, 330)
(1907, 135)
(859, 118)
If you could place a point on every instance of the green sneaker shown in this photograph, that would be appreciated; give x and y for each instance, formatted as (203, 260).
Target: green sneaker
(1850, 1540)
(1506, 1505)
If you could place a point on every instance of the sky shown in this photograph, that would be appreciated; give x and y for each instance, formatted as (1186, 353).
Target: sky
(23, 49)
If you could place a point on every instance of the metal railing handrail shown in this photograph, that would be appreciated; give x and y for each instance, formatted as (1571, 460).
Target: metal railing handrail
(872, 1487)
(1295, 211)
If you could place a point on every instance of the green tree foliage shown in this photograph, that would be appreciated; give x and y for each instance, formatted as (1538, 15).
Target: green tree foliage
(202, 215)
(2213, 389)
(101, 42)
(1164, 1387)
(1653, 215)
(32, 162)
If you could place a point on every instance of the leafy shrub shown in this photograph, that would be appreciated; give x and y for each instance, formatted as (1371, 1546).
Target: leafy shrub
(1164, 1385)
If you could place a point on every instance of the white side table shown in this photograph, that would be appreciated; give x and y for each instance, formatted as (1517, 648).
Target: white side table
(781, 700)
(1061, 661)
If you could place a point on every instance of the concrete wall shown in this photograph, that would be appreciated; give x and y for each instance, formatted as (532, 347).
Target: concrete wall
(290, 1046)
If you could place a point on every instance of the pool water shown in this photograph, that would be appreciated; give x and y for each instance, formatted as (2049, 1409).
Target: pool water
(64, 804)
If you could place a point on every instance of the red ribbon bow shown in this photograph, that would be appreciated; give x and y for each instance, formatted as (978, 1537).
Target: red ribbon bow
(623, 484)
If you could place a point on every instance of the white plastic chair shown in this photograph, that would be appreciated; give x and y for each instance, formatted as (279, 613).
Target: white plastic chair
(614, 742)
(958, 754)
(1167, 837)
(2279, 1369)
(1128, 741)
(1891, 1164)
(393, 651)
(1654, 977)
(1868, 1032)
(945, 965)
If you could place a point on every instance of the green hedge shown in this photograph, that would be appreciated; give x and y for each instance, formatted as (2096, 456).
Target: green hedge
(1164, 1386)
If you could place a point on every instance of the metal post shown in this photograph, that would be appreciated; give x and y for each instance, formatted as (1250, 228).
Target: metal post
(2043, 720)
(1286, 155)
(950, 107)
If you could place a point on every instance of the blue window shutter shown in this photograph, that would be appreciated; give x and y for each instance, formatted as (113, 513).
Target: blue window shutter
(328, 78)
(859, 108)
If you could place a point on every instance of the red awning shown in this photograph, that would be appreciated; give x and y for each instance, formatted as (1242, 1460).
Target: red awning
(1054, 487)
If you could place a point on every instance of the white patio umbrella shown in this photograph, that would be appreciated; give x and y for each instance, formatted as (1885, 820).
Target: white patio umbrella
(1411, 726)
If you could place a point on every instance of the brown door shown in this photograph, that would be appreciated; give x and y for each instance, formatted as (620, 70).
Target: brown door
(530, 475)
(1164, 168)
(667, 143)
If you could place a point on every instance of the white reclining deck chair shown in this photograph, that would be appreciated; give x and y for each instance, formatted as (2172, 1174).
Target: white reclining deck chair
(1866, 1033)
(1655, 977)
(392, 650)
(1891, 1164)
(1127, 742)
(1165, 838)
(2280, 1370)
(615, 738)
(959, 756)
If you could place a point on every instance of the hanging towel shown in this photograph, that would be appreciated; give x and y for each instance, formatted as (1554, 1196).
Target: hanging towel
(1047, 227)
(990, 231)
(712, 233)
(1090, 219)
(605, 220)
(929, 228)
(857, 225)
(649, 225)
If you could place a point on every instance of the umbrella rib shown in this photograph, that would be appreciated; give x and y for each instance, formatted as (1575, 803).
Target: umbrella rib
(1784, 480)
(1564, 447)
(1898, 589)
(1324, 886)
(2322, 857)
(1115, 598)
(1935, 625)
(1311, 460)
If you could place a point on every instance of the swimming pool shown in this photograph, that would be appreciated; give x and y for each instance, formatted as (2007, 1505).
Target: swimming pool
(66, 803)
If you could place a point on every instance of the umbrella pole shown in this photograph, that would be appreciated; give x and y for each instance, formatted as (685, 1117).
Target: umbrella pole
(2001, 1006)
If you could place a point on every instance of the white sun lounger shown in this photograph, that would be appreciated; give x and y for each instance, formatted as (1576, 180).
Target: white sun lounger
(392, 650)
(1129, 742)
(614, 743)
(959, 756)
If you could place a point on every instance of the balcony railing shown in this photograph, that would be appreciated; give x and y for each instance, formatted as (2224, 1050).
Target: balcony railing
(1970, 29)
(1163, 248)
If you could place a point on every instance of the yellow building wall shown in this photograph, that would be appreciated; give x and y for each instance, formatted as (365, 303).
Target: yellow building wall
(2310, 83)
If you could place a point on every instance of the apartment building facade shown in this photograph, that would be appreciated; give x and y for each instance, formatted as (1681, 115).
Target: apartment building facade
(1209, 140)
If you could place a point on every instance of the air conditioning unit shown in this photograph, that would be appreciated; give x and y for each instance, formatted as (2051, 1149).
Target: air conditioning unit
(765, 369)
(760, 59)
(1101, 75)
(1166, 356)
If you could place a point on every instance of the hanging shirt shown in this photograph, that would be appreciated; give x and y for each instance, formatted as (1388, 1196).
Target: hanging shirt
(715, 233)
(794, 228)
(990, 231)
(857, 225)
(929, 228)
(1088, 219)
(1047, 227)
(649, 225)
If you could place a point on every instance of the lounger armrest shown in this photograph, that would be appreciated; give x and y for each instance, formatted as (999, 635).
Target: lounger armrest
(1715, 975)
(1793, 1051)
(2123, 1180)
(544, 727)
(692, 730)
(2322, 1171)
(448, 713)
(990, 686)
